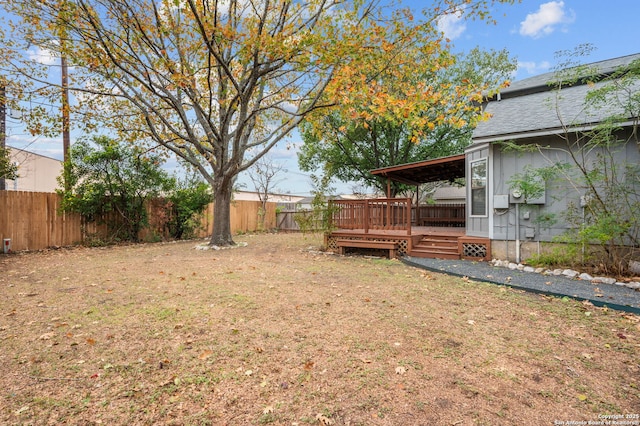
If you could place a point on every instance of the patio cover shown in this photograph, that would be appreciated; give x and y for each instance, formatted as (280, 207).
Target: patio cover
(438, 169)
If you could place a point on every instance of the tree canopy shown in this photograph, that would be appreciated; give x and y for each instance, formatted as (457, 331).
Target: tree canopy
(348, 143)
(220, 82)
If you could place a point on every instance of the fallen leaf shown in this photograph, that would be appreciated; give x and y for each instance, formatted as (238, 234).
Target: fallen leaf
(401, 370)
(471, 322)
(47, 336)
(90, 341)
(308, 365)
(205, 355)
(621, 336)
(22, 410)
(248, 372)
(582, 397)
(324, 420)
(268, 409)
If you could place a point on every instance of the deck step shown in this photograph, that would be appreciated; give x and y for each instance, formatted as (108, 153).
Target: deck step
(438, 243)
(436, 247)
(432, 254)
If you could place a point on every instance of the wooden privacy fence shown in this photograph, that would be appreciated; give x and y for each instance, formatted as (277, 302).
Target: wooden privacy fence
(32, 221)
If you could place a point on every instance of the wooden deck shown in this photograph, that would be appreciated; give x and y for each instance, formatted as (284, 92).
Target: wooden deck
(392, 220)
(424, 241)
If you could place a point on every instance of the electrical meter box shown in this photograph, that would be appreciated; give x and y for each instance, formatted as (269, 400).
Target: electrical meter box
(500, 201)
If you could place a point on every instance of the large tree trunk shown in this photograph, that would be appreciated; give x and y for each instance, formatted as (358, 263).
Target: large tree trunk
(222, 215)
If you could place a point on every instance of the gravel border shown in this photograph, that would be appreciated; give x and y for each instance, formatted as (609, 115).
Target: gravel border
(613, 296)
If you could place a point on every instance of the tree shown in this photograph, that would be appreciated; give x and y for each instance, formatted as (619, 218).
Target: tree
(186, 202)
(264, 177)
(8, 170)
(219, 83)
(111, 181)
(348, 144)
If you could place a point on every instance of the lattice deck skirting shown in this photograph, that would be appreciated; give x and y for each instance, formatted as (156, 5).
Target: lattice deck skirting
(474, 248)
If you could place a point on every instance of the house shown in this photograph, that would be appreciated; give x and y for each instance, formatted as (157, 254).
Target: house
(36, 173)
(531, 112)
(499, 220)
(273, 198)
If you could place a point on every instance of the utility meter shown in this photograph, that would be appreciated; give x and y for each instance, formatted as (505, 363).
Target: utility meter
(516, 196)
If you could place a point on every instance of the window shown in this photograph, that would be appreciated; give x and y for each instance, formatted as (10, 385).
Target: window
(479, 188)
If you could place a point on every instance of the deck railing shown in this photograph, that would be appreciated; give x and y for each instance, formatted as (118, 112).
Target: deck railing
(452, 215)
(372, 214)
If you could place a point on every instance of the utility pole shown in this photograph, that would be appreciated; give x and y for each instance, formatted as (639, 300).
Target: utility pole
(3, 128)
(66, 139)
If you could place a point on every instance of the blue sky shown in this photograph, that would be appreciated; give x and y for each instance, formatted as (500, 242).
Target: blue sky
(532, 31)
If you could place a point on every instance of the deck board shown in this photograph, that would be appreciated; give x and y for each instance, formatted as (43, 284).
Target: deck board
(415, 231)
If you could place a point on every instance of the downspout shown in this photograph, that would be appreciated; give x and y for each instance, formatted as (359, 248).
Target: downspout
(517, 232)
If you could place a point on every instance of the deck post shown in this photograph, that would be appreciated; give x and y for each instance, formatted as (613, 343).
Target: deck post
(366, 217)
(417, 204)
(387, 223)
(408, 215)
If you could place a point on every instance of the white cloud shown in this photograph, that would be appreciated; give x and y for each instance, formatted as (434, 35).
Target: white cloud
(42, 56)
(545, 21)
(452, 25)
(533, 68)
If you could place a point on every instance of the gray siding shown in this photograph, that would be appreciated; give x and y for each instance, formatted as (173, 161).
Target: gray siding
(560, 193)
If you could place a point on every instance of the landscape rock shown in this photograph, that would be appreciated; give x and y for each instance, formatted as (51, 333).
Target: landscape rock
(603, 280)
(584, 276)
(570, 273)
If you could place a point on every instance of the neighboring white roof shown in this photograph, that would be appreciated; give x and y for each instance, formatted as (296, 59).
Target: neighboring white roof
(450, 193)
(273, 198)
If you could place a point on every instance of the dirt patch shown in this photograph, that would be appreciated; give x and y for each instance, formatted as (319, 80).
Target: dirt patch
(279, 333)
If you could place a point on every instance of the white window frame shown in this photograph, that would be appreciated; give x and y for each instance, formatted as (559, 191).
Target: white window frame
(486, 187)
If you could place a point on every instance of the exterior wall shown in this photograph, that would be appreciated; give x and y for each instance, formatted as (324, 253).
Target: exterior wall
(559, 196)
(36, 173)
(478, 226)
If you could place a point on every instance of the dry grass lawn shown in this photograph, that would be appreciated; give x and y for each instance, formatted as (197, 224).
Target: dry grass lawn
(278, 333)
